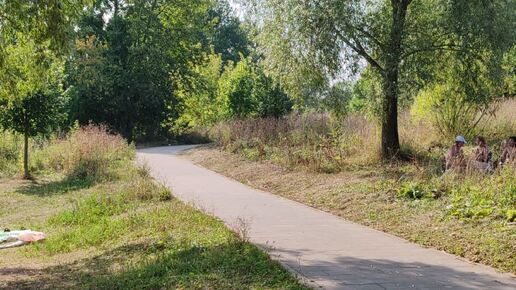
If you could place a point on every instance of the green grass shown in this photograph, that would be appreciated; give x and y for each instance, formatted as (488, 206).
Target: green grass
(122, 230)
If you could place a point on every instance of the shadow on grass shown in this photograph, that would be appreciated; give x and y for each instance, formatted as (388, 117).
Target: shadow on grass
(45, 189)
(234, 265)
(239, 266)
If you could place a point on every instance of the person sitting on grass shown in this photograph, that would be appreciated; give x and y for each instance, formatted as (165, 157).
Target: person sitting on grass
(455, 157)
(509, 152)
(482, 155)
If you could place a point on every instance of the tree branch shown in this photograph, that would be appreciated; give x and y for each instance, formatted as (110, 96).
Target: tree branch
(448, 47)
(358, 48)
(370, 36)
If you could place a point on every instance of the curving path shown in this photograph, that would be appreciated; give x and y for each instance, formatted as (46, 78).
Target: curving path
(324, 250)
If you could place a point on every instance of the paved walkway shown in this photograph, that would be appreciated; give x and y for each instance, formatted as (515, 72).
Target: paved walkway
(325, 250)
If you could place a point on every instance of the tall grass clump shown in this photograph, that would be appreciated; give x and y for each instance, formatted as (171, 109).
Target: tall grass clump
(87, 152)
(314, 141)
(10, 148)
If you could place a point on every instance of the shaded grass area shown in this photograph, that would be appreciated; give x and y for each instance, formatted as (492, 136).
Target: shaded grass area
(59, 186)
(232, 265)
(370, 195)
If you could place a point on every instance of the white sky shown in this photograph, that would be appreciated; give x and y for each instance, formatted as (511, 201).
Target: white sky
(236, 8)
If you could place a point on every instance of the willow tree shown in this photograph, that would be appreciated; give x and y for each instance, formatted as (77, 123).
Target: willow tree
(398, 39)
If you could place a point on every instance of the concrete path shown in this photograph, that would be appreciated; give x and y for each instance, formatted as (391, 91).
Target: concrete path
(324, 250)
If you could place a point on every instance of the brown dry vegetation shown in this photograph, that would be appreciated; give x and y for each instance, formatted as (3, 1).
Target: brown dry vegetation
(334, 167)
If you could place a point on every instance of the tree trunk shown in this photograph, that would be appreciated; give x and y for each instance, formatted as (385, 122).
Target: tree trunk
(128, 131)
(26, 173)
(390, 136)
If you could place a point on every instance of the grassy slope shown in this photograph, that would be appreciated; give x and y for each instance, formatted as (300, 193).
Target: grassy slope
(125, 233)
(361, 196)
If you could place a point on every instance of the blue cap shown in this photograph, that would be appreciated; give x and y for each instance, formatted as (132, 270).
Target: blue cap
(460, 138)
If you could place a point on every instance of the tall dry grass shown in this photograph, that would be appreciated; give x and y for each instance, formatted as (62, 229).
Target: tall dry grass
(87, 152)
(315, 141)
(318, 142)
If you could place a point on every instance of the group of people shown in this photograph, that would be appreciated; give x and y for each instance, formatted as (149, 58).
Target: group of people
(483, 157)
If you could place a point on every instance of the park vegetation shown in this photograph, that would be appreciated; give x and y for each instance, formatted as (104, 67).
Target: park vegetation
(110, 225)
(325, 87)
(335, 165)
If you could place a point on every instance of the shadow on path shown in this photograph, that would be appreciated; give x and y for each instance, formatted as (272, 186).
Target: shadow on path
(343, 272)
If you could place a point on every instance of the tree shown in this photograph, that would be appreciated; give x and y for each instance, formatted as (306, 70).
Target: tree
(226, 34)
(199, 101)
(398, 39)
(123, 70)
(44, 21)
(31, 103)
(216, 92)
(248, 92)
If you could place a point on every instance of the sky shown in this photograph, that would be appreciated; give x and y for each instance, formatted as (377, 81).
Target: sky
(236, 8)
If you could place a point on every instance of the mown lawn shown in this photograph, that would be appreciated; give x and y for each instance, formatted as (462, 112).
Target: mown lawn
(466, 224)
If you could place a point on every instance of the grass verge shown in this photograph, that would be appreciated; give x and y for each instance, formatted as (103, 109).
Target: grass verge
(468, 220)
(110, 226)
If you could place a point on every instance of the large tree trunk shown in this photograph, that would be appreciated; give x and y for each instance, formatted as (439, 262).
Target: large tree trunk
(390, 136)
(26, 173)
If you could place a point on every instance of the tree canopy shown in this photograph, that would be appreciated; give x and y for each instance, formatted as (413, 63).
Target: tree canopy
(401, 40)
(125, 69)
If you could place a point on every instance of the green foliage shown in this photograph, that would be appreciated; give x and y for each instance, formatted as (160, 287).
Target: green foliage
(492, 197)
(461, 98)
(31, 101)
(134, 72)
(249, 93)
(227, 36)
(216, 92)
(201, 104)
(42, 21)
(449, 110)
(400, 40)
(9, 153)
(411, 190)
(509, 67)
(337, 101)
(35, 114)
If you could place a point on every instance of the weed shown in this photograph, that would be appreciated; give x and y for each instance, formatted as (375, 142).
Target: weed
(242, 227)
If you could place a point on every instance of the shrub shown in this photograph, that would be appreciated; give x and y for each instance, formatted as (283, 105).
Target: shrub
(486, 196)
(219, 92)
(412, 190)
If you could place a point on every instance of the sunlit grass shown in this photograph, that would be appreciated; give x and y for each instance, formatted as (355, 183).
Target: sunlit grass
(116, 228)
